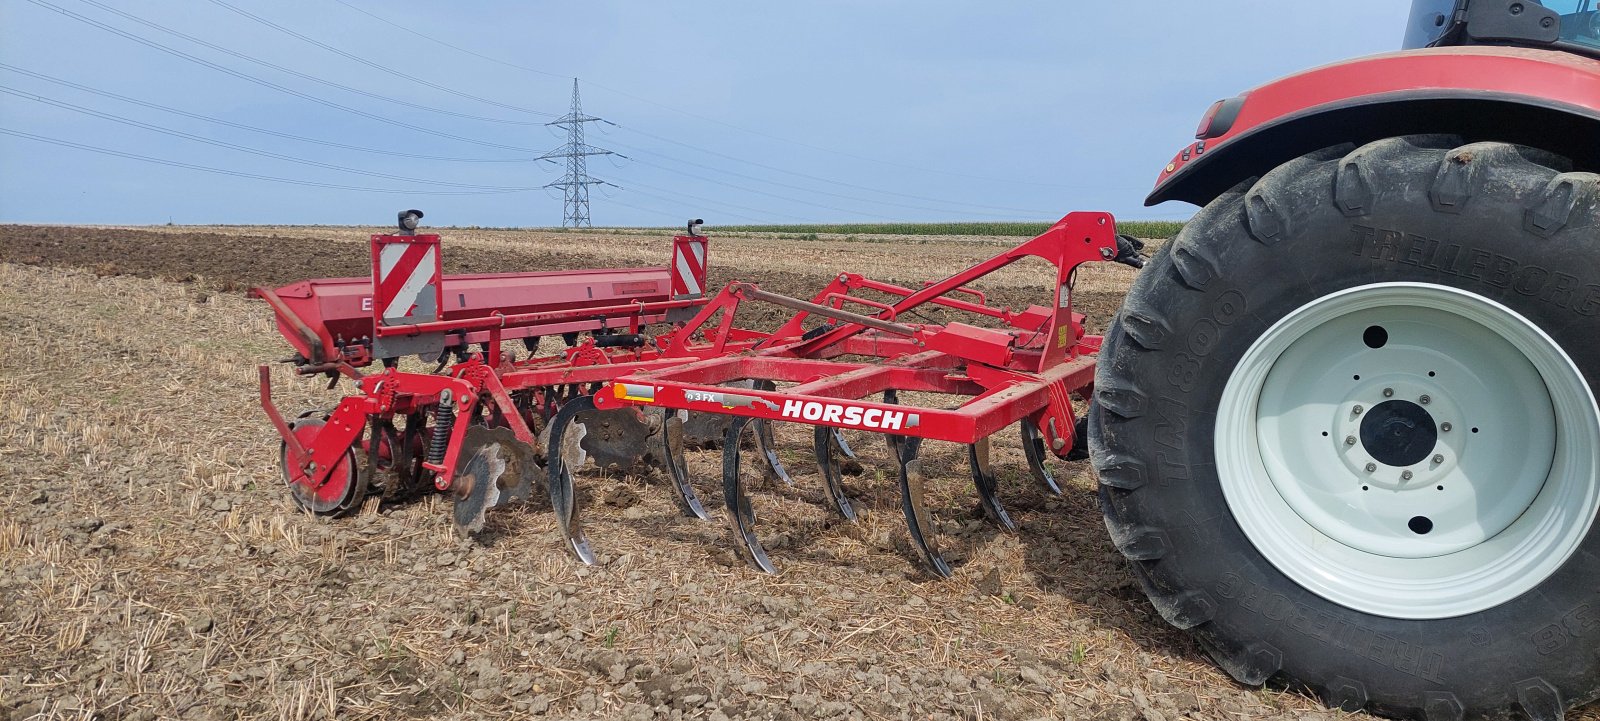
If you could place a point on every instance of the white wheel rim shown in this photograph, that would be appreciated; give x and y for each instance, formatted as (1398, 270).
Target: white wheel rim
(1504, 496)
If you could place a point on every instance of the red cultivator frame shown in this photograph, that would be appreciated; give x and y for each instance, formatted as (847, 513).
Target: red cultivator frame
(482, 427)
(1026, 372)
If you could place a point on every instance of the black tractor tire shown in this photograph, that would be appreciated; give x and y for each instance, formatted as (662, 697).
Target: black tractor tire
(1526, 229)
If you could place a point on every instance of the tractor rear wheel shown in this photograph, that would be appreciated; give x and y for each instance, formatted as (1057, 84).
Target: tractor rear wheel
(1346, 429)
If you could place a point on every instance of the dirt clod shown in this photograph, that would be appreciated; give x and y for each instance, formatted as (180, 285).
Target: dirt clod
(989, 585)
(692, 697)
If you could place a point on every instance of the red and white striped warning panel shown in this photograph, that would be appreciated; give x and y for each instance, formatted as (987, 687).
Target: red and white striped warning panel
(688, 266)
(406, 274)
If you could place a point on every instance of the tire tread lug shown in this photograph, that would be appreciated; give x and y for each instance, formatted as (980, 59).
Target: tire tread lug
(1195, 268)
(1267, 225)
(1352, 189)
(1560, 198)
(1122, 472)
(1539, 700)
(1185, 610)
(1137, 543)
(1251, 665)
(1345, 694)
(1145, 327)
(1126, 403)
(1452, 185)
(1462, 172)
(1353, 181)
(1442, 706)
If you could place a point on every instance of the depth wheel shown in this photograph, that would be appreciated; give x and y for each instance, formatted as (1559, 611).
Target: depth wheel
(342, 492)
(1346, 429)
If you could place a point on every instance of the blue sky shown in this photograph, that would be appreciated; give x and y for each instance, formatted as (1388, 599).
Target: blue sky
(733, 111)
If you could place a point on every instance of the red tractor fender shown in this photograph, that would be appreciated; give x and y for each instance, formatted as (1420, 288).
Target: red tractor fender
(1541, 98)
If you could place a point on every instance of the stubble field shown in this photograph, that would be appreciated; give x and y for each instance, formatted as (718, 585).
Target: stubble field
(151, 565)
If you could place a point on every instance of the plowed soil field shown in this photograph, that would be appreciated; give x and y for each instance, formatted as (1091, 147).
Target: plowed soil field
(152, 566)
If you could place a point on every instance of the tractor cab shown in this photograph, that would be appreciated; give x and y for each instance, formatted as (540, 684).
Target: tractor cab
(1572, 25)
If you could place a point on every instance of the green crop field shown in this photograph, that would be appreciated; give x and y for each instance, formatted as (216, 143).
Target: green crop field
(1143, 229)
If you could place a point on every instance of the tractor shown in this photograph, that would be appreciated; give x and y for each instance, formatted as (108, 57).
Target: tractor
(1345, 422)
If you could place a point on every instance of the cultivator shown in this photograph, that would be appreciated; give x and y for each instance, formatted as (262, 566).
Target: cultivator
(652, 364)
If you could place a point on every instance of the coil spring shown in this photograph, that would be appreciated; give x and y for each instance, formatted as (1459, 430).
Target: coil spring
(444, 419)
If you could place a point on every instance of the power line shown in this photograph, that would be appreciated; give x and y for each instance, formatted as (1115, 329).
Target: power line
(818, 192)
(890, 163)
(376, 66)
(246, 149)
(634, 185)
(611, 199)
(252, 128)
(849, 185)
(574, 199)
(647, 209)
(717, 121)
(941, 201)
(266, 83)
(721, 207)
(259, 81)
(761, 192)
(575, 186)
(457, 48)
(236, 173)
(270, 84)
(817, 178)
(250, 59)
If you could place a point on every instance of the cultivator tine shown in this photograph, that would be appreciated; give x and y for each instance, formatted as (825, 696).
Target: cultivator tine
(678, 465)
(740, 514)
(495, 469)
(384, 453)
(386, 439)
(830, 446)
(773, 470)
(1080, 440)
(827, 442)
(918, 521)
(983, 479)
(1033, 448)
(408, 470)
(565, 456)
(772, 467)
(892, 397)
(842, 444)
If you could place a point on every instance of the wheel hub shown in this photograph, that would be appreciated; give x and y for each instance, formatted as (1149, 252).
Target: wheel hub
(1409, 450)
(1398, 433)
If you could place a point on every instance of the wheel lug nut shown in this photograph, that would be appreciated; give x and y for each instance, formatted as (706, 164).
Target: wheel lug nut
(1446, 427)
(1357, 410)
(1372, 467)
(1405, 475)
(1388, 393)
(1438, 458)
(1349, 440)
(1425, 400)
